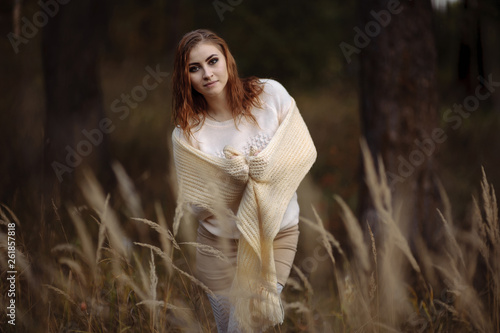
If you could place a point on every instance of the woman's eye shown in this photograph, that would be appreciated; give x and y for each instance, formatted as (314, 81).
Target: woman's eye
(213, 61)
(193, 69)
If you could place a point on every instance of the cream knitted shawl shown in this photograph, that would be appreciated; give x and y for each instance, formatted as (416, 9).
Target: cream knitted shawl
(263, 185)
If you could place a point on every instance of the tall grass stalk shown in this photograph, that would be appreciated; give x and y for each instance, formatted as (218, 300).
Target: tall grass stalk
(107, 279)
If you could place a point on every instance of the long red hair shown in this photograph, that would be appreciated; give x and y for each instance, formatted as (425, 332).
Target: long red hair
(189, 106)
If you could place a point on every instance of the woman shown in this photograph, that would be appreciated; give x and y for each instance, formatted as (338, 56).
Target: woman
(241, 149)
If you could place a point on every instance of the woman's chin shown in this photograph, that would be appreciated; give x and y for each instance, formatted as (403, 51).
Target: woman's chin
(209, 93)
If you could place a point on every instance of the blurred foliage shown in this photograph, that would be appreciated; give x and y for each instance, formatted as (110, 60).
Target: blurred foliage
(295, 42)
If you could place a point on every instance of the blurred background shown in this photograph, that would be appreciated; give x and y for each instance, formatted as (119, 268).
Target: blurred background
(73, 63)
(86, 83)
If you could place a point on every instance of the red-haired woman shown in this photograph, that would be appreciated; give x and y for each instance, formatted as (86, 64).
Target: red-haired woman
(241, 149)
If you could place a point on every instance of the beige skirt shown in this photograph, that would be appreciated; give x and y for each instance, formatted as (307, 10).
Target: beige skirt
(218, 273)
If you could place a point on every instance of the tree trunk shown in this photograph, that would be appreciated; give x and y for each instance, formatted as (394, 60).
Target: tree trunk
(398, 108)
(74, 135)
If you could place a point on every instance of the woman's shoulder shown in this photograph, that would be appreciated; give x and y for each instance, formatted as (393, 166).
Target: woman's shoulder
(271, 86)
(275, 95)
(177, 132)
(179, 135)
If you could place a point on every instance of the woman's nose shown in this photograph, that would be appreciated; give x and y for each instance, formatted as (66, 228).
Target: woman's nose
(207, 73)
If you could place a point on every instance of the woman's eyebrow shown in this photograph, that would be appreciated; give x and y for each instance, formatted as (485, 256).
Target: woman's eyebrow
(209, 57)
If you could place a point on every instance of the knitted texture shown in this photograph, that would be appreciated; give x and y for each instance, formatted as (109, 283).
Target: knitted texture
(263, 185)
(224, 312)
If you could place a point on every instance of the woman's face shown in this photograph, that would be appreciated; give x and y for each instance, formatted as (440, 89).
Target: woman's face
(207, 69)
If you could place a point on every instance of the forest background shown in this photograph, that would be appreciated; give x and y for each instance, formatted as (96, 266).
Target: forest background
(73, 68)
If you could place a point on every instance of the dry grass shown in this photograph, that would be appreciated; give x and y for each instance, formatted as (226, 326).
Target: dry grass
(103, 281)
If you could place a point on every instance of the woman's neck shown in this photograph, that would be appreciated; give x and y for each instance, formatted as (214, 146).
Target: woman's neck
(218, 108)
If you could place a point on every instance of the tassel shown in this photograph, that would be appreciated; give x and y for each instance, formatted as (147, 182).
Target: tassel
(259, 311)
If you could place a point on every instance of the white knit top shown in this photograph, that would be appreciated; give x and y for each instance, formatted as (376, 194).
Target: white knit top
(213, 136)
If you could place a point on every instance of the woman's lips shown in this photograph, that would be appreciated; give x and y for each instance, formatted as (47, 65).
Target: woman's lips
(210, 84)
